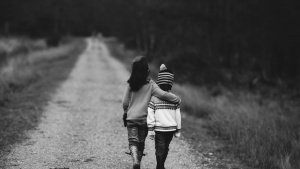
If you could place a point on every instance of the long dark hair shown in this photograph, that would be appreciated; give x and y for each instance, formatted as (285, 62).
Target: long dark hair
(139, 73)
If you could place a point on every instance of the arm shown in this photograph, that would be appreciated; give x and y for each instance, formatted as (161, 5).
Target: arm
(151, 119)
(164, 95)
(178, 118)
(178, 121)
(126, 98)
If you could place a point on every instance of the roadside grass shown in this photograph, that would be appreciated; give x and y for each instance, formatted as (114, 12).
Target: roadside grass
(264, 132)
(20, 70)
(26, 84)
(13, 46)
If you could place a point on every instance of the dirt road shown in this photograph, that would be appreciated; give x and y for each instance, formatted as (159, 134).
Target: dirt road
(81, 126)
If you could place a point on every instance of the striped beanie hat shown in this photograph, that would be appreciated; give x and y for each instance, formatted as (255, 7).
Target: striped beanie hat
(165, 76)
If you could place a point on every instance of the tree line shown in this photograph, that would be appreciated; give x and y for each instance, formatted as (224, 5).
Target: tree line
(202, 40)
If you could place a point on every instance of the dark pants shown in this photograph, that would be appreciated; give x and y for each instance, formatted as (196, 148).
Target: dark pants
(137, 133)
(162, 142)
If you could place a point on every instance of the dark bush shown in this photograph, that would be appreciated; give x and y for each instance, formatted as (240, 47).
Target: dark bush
(53, 40)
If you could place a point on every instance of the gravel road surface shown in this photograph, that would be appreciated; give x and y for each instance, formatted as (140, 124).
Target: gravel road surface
(81, 126)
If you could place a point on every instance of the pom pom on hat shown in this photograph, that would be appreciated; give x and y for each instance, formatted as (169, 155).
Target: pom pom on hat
(162, 67)
(165, 76)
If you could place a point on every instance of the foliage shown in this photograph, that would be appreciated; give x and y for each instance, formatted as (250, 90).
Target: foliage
(220, 39)
(21, 70)
(263, 132)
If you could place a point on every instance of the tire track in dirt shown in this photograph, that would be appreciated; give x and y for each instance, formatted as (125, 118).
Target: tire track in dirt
(81, 126)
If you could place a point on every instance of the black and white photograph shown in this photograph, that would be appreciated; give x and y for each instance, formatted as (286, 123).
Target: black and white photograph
(149, 84)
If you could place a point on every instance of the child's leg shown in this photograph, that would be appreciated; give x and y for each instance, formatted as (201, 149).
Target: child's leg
(168, 139)
(133, 139)
(143, 132)
(160, 145)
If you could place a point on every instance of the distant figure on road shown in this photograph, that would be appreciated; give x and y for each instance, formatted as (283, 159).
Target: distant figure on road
(136, 98)
(164, 118)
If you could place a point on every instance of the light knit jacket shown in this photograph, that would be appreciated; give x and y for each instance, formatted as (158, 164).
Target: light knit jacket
(163, 116)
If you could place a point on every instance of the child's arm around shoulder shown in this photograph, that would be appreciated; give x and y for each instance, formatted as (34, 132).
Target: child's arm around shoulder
(156, 91)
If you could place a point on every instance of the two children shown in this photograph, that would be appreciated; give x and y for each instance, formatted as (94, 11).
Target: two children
(164, 118)
(138, 92)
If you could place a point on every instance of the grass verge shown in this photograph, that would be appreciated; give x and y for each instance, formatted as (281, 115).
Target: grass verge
(261, 131)
(27, 84)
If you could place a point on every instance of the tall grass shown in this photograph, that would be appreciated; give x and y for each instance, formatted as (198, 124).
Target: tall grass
(263, 132)
(22, 69)
(14, 46)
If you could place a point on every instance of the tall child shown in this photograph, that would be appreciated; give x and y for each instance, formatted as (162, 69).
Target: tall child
(164, 118)
(136, 98)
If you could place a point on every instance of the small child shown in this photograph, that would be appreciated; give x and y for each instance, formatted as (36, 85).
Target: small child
(164, 118)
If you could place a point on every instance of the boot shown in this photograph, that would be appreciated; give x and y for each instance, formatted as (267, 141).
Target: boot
(160, 162)
(135, 157)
